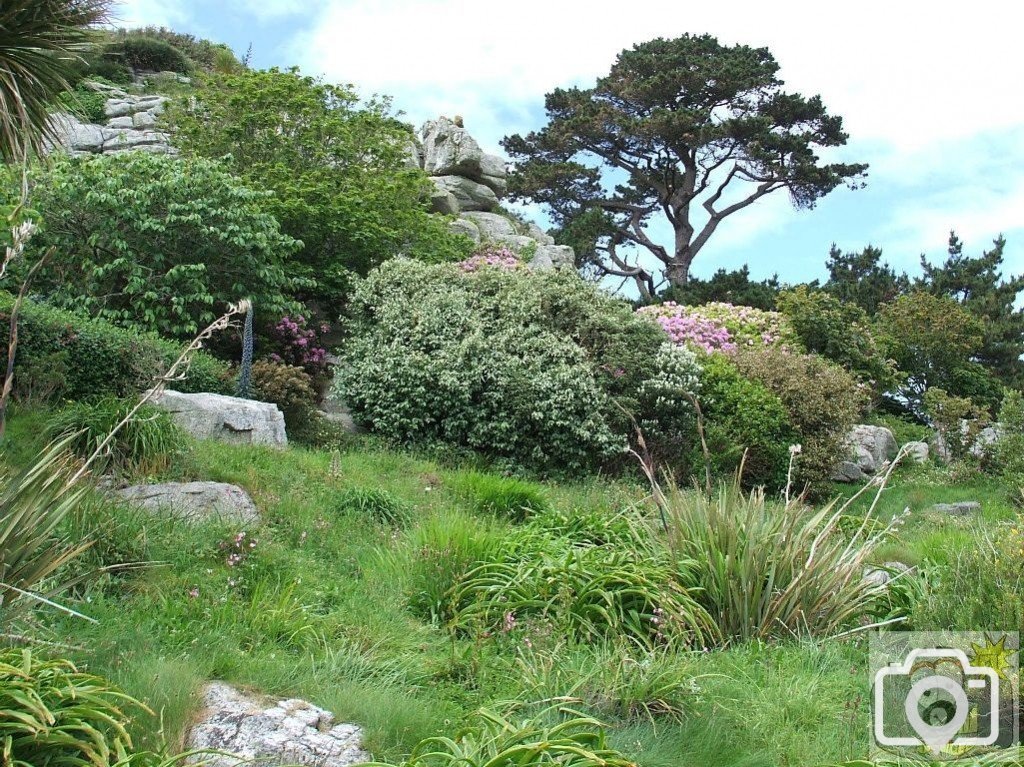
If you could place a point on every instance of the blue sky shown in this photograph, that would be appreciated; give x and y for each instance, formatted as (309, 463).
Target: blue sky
(930, 94)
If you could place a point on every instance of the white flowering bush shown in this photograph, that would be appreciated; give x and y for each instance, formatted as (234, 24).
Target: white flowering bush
(522, 366)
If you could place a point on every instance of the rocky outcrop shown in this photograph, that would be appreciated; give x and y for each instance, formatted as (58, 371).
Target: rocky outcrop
(194, 501)
(959, 508)
(131, 124)
(251, 729)
(870, 448)
(469, 183)
(228, 419)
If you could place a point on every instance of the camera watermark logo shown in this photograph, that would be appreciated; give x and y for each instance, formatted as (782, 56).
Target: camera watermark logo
(946, 694)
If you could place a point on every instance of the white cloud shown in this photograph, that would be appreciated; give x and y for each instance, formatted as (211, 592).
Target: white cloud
(140, 13)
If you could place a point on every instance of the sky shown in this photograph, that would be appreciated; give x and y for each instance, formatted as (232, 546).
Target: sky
(930, 93)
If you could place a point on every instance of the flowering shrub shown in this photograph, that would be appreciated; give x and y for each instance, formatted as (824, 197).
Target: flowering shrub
(722, 327)
(296, 343)
(491, 255)
(523, 366)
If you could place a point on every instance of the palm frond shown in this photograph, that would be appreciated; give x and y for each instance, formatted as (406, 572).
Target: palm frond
(39, 41)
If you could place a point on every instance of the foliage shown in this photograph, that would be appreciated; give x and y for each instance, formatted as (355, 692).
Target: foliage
(977, 284)
(152, 53)
(1009, 447)
(299, 341)
(145, 445)
(570, 741)
(519, 366)
(94, 64)
(839, 331)
(203, 53)
(745, 423)
(723, 286)
(588, 593)
(33, 504)
(38, 42)
(665, 402)
(862, 280)
(157, 243)
(932, 340)
(506, 497)
(491, 256)
(376, 503)
(903, 428)
(288, 387)
(62, 354)
(722, 327)
(823, 401)
(980, 587)
(445, 549)
(337, 170)
(85, 103)
(957, 420)
(673, 125)
(57, 715)
(766, 570)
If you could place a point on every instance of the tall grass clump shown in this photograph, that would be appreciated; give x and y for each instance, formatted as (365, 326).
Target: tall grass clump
(569, 740)
(376, 503)
(768, 569)
(146, 444)
(507, 497)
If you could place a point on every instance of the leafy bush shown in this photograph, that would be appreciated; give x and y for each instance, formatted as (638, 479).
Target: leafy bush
(199, 51)
(288, 387)
(932, 339)
(574, 742)
(721, 326)
(841, 332)
(512, 499)
(337, 167)
(97, 64)
(823, 401)
(1009, 446)
(145, 445)
(491, 256)
(375, 503)
(55, 714)
(85, 103)
(665, 402)
(742, 416)
(63, 354)
(524, 367)
(765, 570)
(957, 420)
(157, 243)
(297, 341)
(144, 52)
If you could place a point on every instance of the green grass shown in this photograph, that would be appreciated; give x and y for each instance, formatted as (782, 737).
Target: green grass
(338, 604)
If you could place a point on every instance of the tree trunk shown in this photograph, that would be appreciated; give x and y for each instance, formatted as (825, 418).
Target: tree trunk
(678, 273)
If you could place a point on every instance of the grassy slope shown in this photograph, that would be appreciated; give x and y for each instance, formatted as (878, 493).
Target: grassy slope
(319, 611)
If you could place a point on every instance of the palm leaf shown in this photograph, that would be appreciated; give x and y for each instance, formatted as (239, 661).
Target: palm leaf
(39, 40)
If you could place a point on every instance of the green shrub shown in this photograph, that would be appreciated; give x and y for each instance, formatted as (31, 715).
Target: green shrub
(75, 357)
(841, 332)
(525, 367)
(54, 714)
(766, 570)
(743, 415)
(85, 103)
(199, 51)
(823, 401)
(378, 504)
(1009, 446)
(665, 403)
(290, 388)
(957, 421)
(95, 64)
(157, 243)
(143, 52)
(506, 497)
(145, 445)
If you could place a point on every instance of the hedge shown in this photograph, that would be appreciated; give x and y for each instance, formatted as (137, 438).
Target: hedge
(84, 358)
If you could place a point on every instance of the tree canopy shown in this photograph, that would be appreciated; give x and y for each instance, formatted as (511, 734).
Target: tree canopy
(687, 129)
